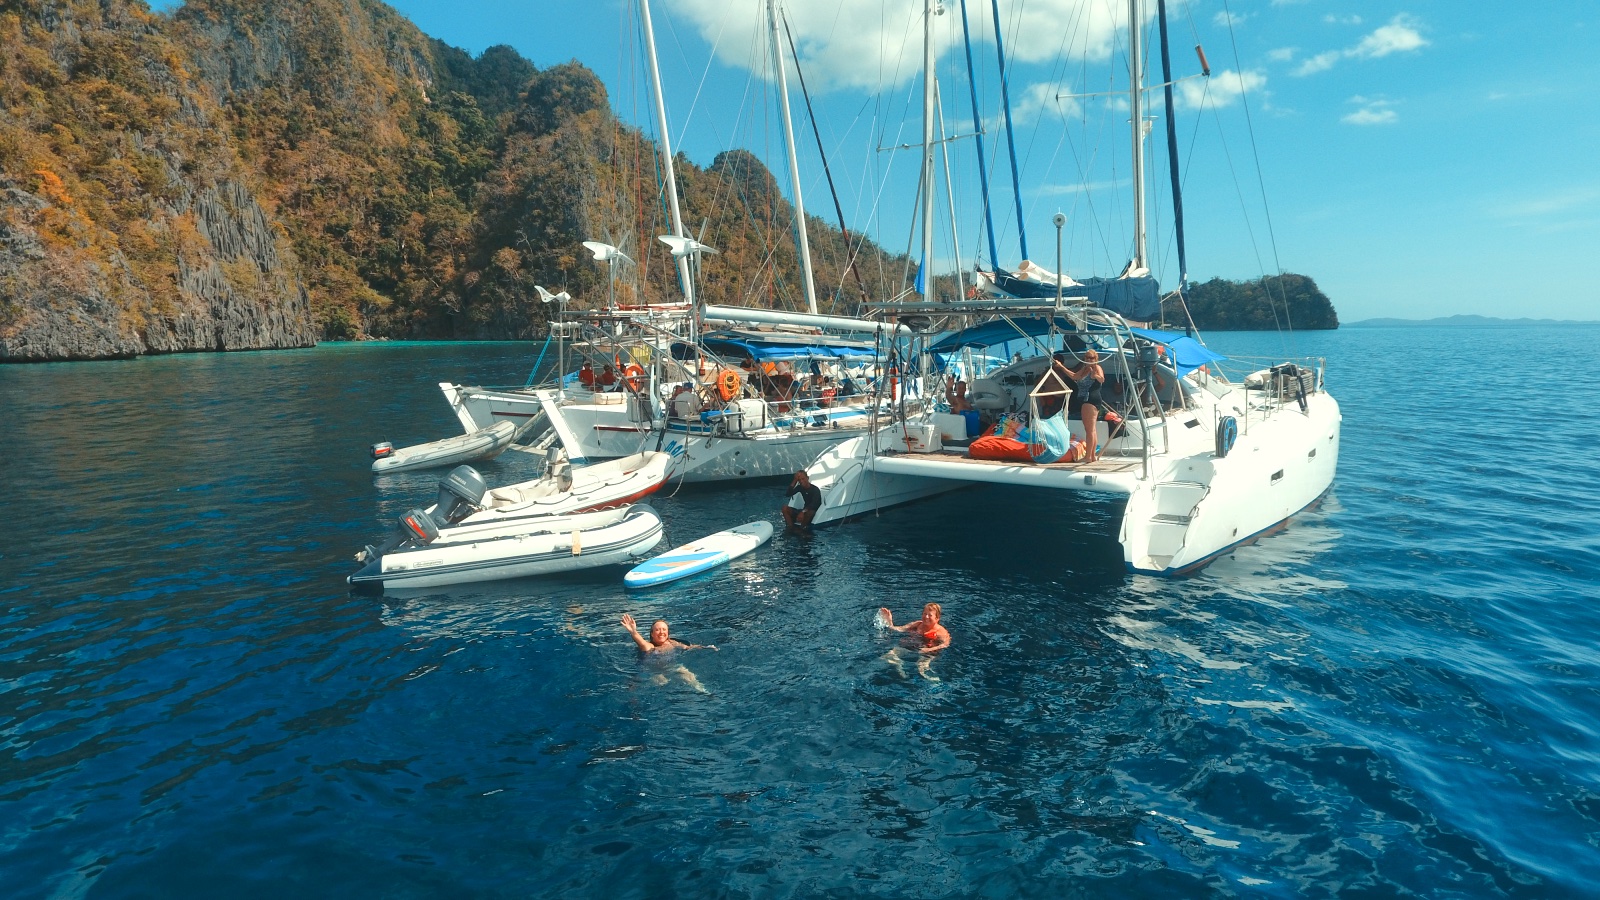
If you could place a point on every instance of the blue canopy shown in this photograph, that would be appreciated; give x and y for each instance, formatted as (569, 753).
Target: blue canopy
(998, 331)
(764, 350)
(1188, 354)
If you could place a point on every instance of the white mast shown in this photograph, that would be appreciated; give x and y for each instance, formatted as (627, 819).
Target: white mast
(924, 272)
(804, 244)
(685, 275)
(1136, 104)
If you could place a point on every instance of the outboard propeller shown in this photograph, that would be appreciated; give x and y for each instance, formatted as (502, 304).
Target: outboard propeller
(382, 450)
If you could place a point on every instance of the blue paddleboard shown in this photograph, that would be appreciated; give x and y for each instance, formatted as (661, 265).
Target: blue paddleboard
(706, 553)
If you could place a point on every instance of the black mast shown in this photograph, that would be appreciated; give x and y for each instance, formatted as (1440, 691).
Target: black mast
(1172, 163)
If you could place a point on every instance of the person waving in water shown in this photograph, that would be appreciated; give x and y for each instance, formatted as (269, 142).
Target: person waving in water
(935, 637)
(660, 642)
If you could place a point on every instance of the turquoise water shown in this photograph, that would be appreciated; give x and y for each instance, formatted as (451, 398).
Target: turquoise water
(1396, 696)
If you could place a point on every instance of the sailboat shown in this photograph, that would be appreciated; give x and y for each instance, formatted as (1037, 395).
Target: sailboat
(746, 412)
(1202, 464)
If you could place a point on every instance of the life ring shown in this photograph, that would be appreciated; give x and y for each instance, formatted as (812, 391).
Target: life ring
(1227, 433)
(728, 385)
(634, 376)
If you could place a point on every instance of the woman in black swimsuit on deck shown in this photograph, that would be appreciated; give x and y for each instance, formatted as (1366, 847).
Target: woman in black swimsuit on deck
(1087, 379)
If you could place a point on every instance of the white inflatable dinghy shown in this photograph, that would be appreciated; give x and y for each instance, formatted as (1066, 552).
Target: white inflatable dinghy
(485, 443)
(466, 553)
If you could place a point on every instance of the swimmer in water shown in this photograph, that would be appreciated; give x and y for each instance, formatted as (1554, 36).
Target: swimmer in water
(934, 637)
(660, 642)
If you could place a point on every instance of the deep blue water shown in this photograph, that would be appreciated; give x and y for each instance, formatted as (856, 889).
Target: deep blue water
(1396, 696)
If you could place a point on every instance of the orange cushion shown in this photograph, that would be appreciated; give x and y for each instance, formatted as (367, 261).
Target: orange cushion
(999, 448)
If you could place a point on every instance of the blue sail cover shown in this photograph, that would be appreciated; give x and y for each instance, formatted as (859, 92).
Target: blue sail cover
(1132, 298)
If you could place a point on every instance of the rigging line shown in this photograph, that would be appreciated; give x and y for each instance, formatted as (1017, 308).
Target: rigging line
(821, 151)
(699, 88)
(1261, 180)
(1244, 209)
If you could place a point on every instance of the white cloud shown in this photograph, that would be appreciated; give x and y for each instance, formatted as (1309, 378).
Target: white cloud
(1038, 101)
(1282, 54)
(1223, 89)
(1223, 18)
(1372, 111)
(1319, 63)
(1341, 20)
(1083, 187)
(1552, 204)
(870, 45)
(1399, 36)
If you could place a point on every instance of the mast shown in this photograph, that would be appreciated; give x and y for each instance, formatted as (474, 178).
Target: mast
(923, 274)
(1172, 151)
(949, 189)
(1011, 141)
(801, 241)
(1136, 105)
(685, 276)
(977, 129)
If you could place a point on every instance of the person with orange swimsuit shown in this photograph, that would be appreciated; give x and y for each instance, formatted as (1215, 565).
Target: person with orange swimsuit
(935, 637)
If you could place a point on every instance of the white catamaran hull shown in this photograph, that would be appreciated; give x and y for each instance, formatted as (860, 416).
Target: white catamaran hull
(1191, 506)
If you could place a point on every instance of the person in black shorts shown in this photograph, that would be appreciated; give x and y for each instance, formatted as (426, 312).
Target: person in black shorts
(810, 493)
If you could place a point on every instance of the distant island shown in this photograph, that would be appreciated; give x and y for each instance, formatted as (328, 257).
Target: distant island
(1286, 301)
(1460, 321)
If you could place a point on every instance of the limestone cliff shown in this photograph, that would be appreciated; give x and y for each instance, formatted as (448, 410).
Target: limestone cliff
(127, 225)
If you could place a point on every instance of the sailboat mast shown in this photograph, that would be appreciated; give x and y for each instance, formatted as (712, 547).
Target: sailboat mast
(977, 129)
(1136, 105)
(801, 241)
(1011, 141)
(924, 275)
(685, 277)
(1172, 151)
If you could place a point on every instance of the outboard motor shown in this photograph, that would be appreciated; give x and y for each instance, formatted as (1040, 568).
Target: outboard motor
(382, 450)
(459, 495)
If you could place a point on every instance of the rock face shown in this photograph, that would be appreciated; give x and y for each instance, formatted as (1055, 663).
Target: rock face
(126, 223)
(247, 174)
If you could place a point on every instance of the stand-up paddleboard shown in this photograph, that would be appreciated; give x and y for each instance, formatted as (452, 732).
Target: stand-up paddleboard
(706, 553)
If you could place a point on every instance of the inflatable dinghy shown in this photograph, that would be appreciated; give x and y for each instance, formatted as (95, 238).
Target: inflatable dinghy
(485, 443)
(466, 553)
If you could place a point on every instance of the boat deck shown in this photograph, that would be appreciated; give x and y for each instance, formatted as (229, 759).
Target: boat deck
(1111, 474)
(1108, 463)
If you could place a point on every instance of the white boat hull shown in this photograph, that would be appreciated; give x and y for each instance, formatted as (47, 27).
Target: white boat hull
(596, 486)
(482, 444)
(548, 545)
(1183, 511)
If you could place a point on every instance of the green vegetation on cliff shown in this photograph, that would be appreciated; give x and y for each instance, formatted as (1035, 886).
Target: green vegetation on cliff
(1264, 304)
(254, 173)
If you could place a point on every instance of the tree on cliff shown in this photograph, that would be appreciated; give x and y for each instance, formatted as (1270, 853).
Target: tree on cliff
(1277, 301)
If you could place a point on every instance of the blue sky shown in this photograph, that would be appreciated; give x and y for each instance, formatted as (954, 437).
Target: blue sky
(1417, 158)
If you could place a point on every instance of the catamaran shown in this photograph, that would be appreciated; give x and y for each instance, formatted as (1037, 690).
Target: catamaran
(1201, 463)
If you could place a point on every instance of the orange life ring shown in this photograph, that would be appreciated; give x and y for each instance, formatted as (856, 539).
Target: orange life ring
(728, 385)
(635, 377)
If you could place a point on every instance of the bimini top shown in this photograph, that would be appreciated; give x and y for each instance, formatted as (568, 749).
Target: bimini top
(1188, 354)
(998, 331)
(764, 346)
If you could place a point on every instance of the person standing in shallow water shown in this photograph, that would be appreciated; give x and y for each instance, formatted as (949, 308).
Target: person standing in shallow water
(661, 641)
(935, 637)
